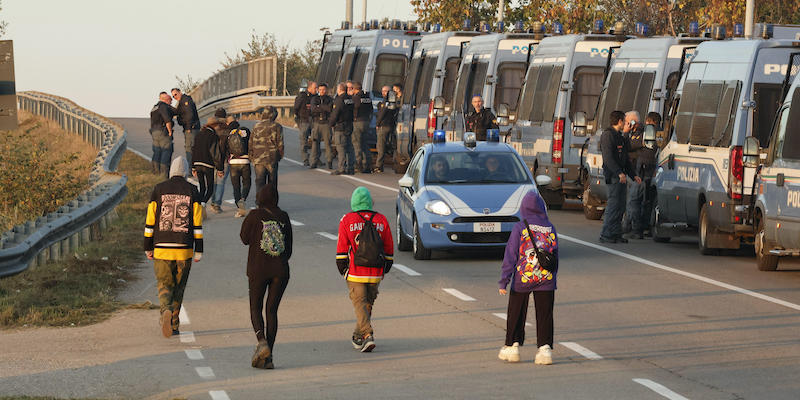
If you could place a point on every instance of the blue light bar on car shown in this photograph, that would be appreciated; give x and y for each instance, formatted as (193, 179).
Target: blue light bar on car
(439, 136)
(493, 135)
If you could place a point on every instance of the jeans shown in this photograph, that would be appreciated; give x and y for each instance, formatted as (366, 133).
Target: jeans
(171, 277)
(359, 138)
(188, 142)
(304, 128)
(266, 174)
(344, 146)
(517, 313)
(219, 184)
(162, 150)
(363, 296)
(383, 133)
(612, 217)
(321, 131)
(205, 177)
(641, 206)
(240, 179)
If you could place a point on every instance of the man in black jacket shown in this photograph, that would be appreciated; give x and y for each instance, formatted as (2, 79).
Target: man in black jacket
(479, 119)
(188, 119)
(385, 123)
(341, 120)
(302, 116)
(362, 114)
(321, 107)
(161, 129)
(616, 167)
(207, 157)
(642, 196)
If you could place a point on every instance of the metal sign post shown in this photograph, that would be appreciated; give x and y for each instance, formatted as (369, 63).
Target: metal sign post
(8, 88)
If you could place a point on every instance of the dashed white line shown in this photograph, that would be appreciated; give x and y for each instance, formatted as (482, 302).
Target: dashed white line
(218, 395)
(659, 388)
(194, 354)
(406, 270)
(582, 350)
(205, 372)
(700, 278)
(187, 337)
(184, 316)
(364, 181)
(458, 294)
(328, 235)
(504, 317)
(296, 223)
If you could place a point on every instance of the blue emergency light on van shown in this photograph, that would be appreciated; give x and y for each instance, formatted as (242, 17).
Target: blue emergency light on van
(519, 26)
(738, 30)
(598, 25)
(694, 28)
(439, 136)
(493, 135)
(558, 29)
(501, 26)
(467, 24)
(437, 28)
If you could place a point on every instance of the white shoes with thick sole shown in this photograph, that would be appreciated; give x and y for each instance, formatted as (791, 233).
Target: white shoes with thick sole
(544, 356)
(509, 353)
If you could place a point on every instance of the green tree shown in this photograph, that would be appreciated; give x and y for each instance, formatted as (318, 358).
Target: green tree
(186, 84)
(451, 13)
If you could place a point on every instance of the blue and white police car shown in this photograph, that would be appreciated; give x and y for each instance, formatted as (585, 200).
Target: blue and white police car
(464, 194)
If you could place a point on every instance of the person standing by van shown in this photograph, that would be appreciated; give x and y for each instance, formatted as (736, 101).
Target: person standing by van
(616, 167)
(188, 119)
(644, 194)
(302, 116)
(341, 121)
(385, 123)
(362, 114)
(479, 119)
(632, 131)
(321, 107)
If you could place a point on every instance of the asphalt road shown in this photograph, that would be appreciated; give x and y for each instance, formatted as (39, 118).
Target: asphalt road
(632, 321)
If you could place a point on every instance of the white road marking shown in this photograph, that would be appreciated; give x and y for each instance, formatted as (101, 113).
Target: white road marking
(406, 270)
(296, 223)
(183, 316)
(504, 317)
(660, 389)
(205, 372)
(582, 350)
(194, 354)
(218, 395)
(328, 235)
(187, 337)
(230, 201)
(140, 154)
(700, 278)
(293, 161)
(366, 182)
(458, 294)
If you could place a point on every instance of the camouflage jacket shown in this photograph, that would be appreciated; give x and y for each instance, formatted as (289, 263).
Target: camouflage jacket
(266, 143)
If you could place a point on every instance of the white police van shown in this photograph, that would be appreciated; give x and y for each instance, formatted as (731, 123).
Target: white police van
(334, 45)
(643, 76)
(564, 78)
(730, 91)
(776, 211)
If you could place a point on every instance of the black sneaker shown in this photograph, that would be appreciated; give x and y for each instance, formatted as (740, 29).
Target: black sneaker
(350, 172)
(330, 166)
(369, 344)
(604, 239)
(314, 166)
(635, 235)
(358, 342)
(621, 240)
(337, 173)
(176, 332)
(305, 163)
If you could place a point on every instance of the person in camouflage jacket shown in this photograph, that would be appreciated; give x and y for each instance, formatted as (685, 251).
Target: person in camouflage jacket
(266, 148)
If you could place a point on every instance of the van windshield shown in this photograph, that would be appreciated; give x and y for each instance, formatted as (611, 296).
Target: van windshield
(450, 76)
(539, 95)
(626, 91)
(470, 83)
(389, 69)
(510, 77)
(588, 85)
(327, 67)
(706, 112)
(360, 65)
(471, 167)
(412, 76)
(425, 80)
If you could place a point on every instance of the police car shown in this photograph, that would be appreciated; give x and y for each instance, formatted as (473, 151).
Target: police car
(462, 194)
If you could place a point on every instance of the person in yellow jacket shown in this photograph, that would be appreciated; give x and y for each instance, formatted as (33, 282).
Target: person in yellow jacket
(173, 236)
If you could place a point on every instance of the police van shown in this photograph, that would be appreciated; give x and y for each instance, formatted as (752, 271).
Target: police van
(643, 76)
(564, 79)
(776, 211)
(730, 91)
(432, 72)
(334, 45)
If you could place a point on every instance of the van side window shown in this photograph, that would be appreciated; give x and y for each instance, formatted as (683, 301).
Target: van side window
(672, 84)
(450, 76)
(510, 76)
(612, 97)
(789, 130)
(643, 93)
(327, 67)
(706, 112)
(683, 120)
(588, 84)
(768, 97)
(461, 87)
(344, 69)
(413, 71)
(479, 80)
(551, 95)
(526, 100)
(424, 84)
(545, 94)
(389, 69)
(360, 65)
(723, 129)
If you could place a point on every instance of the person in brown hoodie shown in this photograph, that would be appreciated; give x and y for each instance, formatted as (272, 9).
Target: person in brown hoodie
(268, 232)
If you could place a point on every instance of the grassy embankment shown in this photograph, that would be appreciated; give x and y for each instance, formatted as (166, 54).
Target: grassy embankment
(81, 288)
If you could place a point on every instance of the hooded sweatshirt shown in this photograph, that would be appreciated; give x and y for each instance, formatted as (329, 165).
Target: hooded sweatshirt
(350, 226)
(268, 232)
(520, 263)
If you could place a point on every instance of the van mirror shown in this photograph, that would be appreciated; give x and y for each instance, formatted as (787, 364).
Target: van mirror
(543, 180)
(405, 182)
(579, 124)
(649, 136)
(503, 114)
(438, 106)
(750, 152)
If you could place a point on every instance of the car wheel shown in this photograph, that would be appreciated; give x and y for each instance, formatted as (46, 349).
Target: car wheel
(658, 236)
(764, 260)
(403, 243)
(420, 252)
(703, 232)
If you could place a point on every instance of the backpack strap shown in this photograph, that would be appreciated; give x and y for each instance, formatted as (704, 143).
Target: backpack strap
(370, 218)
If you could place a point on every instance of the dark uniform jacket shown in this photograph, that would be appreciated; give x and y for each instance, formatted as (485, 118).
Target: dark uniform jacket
(302, 107)
(266, 143)
(160, 115)
(187, 113)
(645, 159)
(174, 223)
(615, 148)
(321, 107)
(362, 107)
(341, 119)
(479, 122)
(206, 151)
(386, 117)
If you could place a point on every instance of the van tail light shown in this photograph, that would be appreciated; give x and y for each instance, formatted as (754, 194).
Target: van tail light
(736, 174)
(431, 120)
(558, 140)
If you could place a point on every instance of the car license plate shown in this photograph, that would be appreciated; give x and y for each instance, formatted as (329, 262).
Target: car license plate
(483, 227)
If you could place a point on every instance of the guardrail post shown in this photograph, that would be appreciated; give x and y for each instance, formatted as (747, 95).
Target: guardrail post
(55, 251)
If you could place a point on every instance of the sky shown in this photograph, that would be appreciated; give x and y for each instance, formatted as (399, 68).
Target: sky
(114, 56)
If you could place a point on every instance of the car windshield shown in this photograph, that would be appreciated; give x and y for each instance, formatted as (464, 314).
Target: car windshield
(471, 167)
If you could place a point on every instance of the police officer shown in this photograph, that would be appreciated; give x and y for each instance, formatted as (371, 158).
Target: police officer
(362, 114)
(385, 123)
(321, 107)
(341, 120)
(632, 130)
(480, 119)
(188, 119)
(161, 130)
(616, 167)
(302, 116)
(643, 195)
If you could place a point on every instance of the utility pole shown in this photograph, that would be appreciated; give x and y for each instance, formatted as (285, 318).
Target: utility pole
(348, 12)
(364, 13)
(748, 18)
(501, 10)
(285, 93)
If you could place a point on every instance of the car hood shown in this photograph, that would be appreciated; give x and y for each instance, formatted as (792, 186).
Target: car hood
(476, 200)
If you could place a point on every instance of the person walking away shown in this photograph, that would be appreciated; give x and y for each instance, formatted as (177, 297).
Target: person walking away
(362, 115)
(364, 254)
(632, 130)
(302, 117)
(321, 107)
(236, 147)
(173, 236)
(479, 119)
(385, 122)
(616, 167)
(530, 265)
(220, 126)
(341, 121)
(266, 148)
(161, 131)
(207, 158)
(643, 194)
(187, 119)
(268, 233)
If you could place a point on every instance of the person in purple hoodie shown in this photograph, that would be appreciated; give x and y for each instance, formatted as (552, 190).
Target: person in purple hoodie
(530, 264)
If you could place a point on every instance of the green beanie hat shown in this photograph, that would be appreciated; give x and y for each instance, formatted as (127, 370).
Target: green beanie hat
(361, 199)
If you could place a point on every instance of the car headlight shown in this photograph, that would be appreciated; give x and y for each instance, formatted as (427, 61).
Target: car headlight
(438, 207)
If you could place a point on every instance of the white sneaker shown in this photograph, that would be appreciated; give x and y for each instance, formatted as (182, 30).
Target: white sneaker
(509, 353)
(544, 356)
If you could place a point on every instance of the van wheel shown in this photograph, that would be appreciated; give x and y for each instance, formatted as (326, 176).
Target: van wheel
(703, 233)
(592, 213)
(764, 260)
(656, 221)
(420, 252)
(403, 243)
(400, 165)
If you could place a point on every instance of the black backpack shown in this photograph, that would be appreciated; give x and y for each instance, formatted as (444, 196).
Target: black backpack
(369, 250)
(236, 144)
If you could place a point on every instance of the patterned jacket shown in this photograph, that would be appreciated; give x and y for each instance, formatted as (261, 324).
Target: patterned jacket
(266, 143)
(174, 224)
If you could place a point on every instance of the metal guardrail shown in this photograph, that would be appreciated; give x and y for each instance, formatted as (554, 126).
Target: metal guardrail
(54, 235)
(255, 76)
(244, 106)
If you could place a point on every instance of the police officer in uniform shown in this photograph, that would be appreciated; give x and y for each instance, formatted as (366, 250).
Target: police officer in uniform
(302, 116)
(188, 119)
(385, 124)
(321, 107)
(479, 119)
(616, 168)
(341, 120)
(642, 196)
(161, 130)
(362, 114)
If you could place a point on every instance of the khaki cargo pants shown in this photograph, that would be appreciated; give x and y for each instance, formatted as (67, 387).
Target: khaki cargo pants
(363, 296)
(171, 277)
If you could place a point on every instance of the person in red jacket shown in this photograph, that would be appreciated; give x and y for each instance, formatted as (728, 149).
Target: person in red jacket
(362, 281)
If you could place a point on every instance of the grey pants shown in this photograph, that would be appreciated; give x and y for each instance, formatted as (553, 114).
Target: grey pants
(363, 157)
(344, 146)
(321, 131)
(612, 217)
(188, 143)
(383, 133)
(304, 128)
